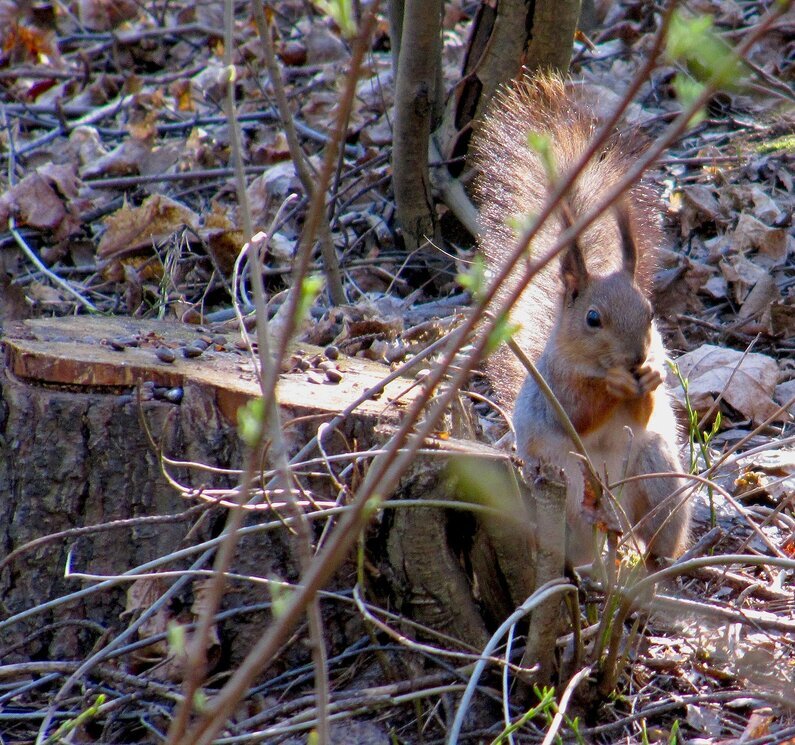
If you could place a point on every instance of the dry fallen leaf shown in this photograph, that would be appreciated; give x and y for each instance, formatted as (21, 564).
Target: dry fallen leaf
(223, 237)
(36, 201)
(759, 300)
(141, 594)
(103, 15)
(747, 382)
(698, 205)
(123, 160)
(131, 229)
(742, 274)
(771, 243)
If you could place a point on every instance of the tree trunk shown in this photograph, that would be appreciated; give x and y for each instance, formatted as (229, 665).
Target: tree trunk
(75, 459)
(415, 100)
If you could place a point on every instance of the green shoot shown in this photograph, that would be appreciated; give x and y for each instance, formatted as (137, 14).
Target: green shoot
(250, 420)
(474, 280)
(698, 440)
(71, 724)
(546, 702)
(342, 13)
(310, 288)
(502, 331)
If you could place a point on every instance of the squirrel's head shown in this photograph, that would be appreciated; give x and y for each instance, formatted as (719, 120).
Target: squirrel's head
(606, 321)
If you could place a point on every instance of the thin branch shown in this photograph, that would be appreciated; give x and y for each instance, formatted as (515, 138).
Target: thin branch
(300, 163)
(54, 278)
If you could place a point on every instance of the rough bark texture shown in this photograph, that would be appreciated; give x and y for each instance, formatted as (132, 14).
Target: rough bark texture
(415, 100)
(506, 38)
(78, 459)
(494, 55)
(552, 35)
(78, 455)
(546, 621)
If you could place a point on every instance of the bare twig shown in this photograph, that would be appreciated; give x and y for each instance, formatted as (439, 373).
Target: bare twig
(542, 594)
(302, 166)
(54, 278)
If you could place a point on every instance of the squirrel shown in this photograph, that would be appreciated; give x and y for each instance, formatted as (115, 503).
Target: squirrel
(585, 319)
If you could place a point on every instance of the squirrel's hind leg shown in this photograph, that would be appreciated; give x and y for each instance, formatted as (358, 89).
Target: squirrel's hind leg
(660, 508)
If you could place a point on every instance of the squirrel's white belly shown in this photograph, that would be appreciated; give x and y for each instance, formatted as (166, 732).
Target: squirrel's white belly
(610, 447)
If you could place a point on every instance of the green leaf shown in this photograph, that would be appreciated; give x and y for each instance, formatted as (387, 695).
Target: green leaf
(175, 634)
(310, 289)
(474, 280)
(342, 13)
(372, 506)
(486, 483)
(503, 330)
(542, 144)
(687, 91)
(250, 420)
(200, 701)
(280, 597)
(521, 224)
(692, 41)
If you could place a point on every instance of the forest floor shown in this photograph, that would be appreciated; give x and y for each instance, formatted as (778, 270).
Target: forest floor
(117, 196)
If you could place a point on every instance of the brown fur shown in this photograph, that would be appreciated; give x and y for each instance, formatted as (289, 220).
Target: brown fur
(587, 318)
(513, 183)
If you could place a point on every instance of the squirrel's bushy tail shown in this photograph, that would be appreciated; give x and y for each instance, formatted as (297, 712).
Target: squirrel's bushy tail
(513, 184)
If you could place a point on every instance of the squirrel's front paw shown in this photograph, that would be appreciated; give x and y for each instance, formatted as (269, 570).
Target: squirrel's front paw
(648, 379)
(621, 383)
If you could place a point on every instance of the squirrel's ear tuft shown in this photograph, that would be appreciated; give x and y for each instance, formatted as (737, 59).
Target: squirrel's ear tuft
(573, 271)
(629, 249)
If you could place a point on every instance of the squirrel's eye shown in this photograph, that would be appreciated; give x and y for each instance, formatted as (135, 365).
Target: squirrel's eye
(593, 319)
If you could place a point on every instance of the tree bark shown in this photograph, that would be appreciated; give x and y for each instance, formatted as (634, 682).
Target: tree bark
(415, 100)
(552, 34)
(74, 454)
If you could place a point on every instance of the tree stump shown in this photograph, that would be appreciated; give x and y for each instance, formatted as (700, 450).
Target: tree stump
(77, 396)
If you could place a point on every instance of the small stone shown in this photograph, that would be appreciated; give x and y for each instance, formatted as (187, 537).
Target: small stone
(220, 340)
(164, 354)
(332, 352)
(299, 363)
(194, 349)
(334, 375)
(174, 395)
(326, 365)
(120, 343)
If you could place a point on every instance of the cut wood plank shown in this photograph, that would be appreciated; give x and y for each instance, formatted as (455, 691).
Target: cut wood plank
(76, 351)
